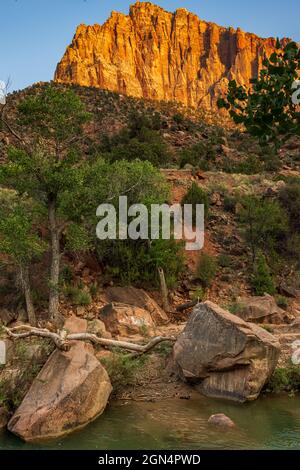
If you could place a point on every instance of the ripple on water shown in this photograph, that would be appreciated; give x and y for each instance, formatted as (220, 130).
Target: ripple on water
(269, 423)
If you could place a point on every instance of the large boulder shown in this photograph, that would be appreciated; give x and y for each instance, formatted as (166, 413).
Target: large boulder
(291, 285)
(224, 356)
(262, 310)
(71, 390)
(137, 298)
(126, 320)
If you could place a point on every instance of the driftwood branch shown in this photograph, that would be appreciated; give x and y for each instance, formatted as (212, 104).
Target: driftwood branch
(27, 331)
(62, 339)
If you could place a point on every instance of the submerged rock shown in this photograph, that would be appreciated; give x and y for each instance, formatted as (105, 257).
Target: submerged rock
(71, 390)
(224, 356)
(221, 420)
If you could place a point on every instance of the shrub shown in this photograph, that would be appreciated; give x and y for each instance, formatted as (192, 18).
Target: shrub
(235, 308)
(262, 281)
(251, 165)
(139, 141)
(178, 118)
(66, 275)
(293, 246)
(282, 301)
(206, 269)
(289, 197)
(285, 379)
(122, 369)
(194, 196)
(78, 296)
(93, 290)
(230, 203)
(201, 155)
(137, 262)
(225, 261)
(265, 224)
(199, 294)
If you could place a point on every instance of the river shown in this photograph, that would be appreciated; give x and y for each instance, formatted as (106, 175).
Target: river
(272, 422)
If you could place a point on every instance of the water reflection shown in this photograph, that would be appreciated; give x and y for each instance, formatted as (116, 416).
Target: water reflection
(269, 423)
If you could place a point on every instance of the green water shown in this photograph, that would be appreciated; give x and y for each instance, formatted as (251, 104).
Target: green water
(268, 423)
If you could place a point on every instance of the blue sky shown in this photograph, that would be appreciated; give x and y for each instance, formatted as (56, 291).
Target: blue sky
(35, 33)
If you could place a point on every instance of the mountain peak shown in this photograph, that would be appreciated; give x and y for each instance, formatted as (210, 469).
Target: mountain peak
(155, 54)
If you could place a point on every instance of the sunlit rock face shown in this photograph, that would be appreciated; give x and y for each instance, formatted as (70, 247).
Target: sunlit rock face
(154, 54)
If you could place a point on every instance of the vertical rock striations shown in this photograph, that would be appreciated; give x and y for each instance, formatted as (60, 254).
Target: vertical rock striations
(154, 54)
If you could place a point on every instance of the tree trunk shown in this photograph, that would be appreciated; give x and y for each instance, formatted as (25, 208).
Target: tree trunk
(55, 263)
(164, 290)
(28, 297)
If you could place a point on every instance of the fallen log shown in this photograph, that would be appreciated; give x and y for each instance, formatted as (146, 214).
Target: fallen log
(62, 339)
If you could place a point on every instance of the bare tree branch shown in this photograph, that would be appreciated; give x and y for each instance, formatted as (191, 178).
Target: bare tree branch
(62, 339)
(59, 340)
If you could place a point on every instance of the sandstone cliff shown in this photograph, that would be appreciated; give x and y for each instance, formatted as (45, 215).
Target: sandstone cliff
(154, 54)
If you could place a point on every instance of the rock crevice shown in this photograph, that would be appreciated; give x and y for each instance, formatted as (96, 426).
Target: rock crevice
(158, 55)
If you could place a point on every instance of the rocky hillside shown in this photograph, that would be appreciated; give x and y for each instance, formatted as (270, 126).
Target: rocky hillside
(154, 54)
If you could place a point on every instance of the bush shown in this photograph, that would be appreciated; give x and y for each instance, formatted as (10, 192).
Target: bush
(201, 155)
(285, 379)
(206, 269)
(140, 141)
(282, 301)
(137, 262)
(122, 369)
(225, 261)
(289, 197)
(230, 203)
(235, 308)
(178, 118)
(194, 196)
(262, 281)
(78, 296)
(198, 295)
(251, 165)
(265, 224)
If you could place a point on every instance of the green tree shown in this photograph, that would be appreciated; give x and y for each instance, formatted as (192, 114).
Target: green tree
(267, 110)
(45, 164)
(194, 196)
(207, 268)
(265, 224)
(139, 141)
(262, 280)
(19, 240)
